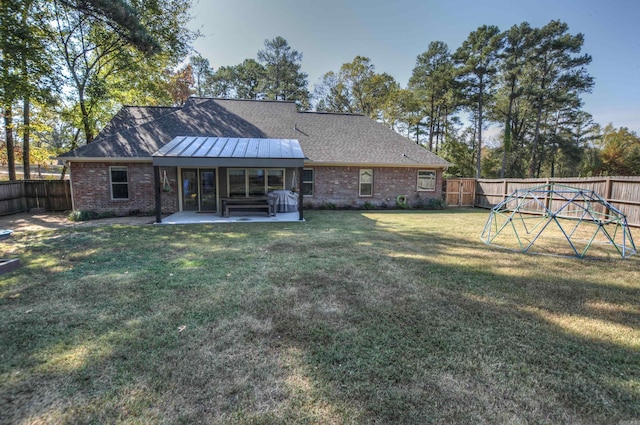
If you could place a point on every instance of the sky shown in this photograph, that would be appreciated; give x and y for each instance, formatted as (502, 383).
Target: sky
(392, 33)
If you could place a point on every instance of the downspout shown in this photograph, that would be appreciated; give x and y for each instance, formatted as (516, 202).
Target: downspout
(67, 164)
(300, 195)
(156, 178)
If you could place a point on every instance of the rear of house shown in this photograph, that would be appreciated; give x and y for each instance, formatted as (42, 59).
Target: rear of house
(222, 148)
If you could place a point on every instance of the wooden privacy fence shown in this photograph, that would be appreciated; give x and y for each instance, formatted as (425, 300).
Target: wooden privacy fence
(621, 192)
(24, 195)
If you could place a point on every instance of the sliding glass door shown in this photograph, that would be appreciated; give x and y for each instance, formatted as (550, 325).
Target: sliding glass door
(199, 189)
(208, 199)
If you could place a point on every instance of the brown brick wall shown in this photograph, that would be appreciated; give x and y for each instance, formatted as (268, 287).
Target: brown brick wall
(91, 191)
(335, 185)
(339, 186)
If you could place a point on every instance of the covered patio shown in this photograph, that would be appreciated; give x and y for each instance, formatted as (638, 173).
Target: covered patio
(262, 162)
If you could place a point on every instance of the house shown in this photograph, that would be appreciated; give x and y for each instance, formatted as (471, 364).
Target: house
(190, 158)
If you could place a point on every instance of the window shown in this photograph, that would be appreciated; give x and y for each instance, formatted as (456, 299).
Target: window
(237, 183)
(426, 180)
(366, 182)
(275, 180)
(254, 181)
(307, 182)
(119, 182)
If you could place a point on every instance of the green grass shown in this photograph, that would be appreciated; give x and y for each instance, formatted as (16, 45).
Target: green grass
(350, 317)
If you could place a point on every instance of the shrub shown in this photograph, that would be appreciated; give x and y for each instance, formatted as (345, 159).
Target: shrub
(82, 215)
(368, 206)
(106, 214)
(434, 204)
(328, 206)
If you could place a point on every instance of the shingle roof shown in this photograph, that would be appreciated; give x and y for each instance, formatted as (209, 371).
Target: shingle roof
(327, 138)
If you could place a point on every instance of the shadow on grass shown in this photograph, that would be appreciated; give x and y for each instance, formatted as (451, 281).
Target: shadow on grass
(349, 318)
(456, 342)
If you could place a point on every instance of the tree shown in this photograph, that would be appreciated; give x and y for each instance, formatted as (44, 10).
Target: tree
(249, 79)
(332, 94)
(513, 58)
(97, 58)
(11, 32)
(433, 81)
(119, 16)
(223, 82)
(459, 150)
(557, 74)
(477, 65)
(180, 85)
(284, 79)
(25, 67)
(202, 75)
(356, 75)
(620, 153)
(357, 88)
(402, 109)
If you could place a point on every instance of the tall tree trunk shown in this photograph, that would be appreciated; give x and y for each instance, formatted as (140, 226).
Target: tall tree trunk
(534, 147)
(446, 125)
(26, 148)
(479, 157)
(432, 125)
(506, 145)
(555, 145)
(438, 133)
(26, 106)
(8, 128)
(88, 132)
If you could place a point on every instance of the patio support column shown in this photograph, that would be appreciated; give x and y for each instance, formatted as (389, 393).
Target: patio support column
(300, 195)
(156, 179)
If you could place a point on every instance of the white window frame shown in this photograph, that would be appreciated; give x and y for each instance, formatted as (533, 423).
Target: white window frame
(266, 179)
(426, 188)
(111, 182)
(309, 182)
(361, 173)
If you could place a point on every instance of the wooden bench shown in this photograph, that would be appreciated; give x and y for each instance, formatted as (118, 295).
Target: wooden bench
(229, 207)
(254, 203)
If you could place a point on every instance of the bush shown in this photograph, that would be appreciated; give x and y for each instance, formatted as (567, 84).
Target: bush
(434, 204)
(368, 206)
(90, 215)
(106, 214)
(328, 206)
(83, 215)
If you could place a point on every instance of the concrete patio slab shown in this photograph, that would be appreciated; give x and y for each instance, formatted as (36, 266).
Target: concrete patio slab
(192, 217)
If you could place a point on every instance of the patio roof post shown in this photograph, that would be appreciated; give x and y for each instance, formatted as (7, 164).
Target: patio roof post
(300, 195)
(158, 192)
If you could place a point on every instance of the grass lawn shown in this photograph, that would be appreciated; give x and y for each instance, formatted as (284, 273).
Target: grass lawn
(351, 317)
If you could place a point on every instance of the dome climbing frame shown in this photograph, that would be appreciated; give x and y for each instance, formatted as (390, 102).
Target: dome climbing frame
(561, 220)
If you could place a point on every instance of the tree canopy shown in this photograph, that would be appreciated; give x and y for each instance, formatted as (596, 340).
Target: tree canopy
(67, 66)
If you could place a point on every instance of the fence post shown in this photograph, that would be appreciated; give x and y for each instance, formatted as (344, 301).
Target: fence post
(505, 187)
(547, 200)
(607, 192)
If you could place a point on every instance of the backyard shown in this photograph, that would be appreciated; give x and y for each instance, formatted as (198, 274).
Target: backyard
(350, 317)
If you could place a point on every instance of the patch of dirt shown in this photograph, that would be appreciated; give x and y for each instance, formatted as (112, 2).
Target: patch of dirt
(25, 222)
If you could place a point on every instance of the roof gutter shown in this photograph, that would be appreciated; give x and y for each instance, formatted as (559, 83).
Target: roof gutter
(372, 165)
(104, 159)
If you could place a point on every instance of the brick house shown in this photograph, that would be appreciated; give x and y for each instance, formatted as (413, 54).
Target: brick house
(169, 159)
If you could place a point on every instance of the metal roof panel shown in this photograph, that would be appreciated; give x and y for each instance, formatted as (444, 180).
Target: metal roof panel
(186, 149)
